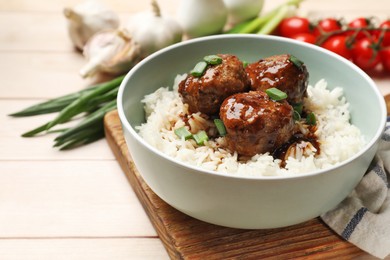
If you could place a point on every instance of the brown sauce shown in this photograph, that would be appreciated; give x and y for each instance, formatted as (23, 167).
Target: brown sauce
(310, 137)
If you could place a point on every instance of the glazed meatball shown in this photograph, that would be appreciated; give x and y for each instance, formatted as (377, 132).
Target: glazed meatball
(206, 93)
(255, 123)
(280, 72)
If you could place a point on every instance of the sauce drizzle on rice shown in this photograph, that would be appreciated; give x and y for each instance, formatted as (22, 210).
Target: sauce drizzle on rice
(298, 145)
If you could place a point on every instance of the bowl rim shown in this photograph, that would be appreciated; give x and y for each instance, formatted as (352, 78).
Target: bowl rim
(200, 170)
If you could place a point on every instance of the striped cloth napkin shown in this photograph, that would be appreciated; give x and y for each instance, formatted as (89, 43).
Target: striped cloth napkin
(363, 218)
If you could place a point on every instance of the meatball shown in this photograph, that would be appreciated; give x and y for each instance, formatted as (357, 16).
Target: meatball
(205, 94)
(255, 123)
(280, 72)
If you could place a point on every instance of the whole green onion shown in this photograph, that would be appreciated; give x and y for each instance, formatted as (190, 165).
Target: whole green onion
(59, 103)
(275, 20)
(85, 137)
(266, 23)
(91, 121)
(81, 104)
(89, 105)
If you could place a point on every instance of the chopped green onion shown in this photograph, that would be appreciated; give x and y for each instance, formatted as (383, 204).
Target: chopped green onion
(297, 62)
(311, 119)
(276, 94)
(182, 132)
(245, 64)
(200, 137)
(298, 107)
(220, 127)
(199, 68)
(213, 59)
(296, 116)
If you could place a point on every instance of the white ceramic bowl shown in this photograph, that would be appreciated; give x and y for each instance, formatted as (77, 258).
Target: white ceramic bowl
(248, 202)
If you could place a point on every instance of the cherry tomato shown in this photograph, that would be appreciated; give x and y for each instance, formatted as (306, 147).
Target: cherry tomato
(359, 23)
(384, 55)
(305, 37)
(338, 44)
(364, 55)
(327, 25)
(386, 38)
(293, 25)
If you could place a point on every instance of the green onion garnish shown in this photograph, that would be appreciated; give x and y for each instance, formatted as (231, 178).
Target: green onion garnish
(311, 119)
(213, 59)
(298, 107)
(296, 116)
(276, 94)
(297, 62)
(199, 68)
(220, 127)
(200, 137)
(245, 64)
(182, 132)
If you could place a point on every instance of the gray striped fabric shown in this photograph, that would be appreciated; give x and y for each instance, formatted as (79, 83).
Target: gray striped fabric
(364, 217)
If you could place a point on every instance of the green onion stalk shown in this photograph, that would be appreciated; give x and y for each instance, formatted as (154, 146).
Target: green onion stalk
(268, 22)
(88, 105)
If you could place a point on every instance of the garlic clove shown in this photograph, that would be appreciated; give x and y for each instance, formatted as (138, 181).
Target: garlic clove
(111, 51)
(88, 18)
(153, 30)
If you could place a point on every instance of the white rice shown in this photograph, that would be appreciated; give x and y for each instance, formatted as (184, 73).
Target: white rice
(339, 140)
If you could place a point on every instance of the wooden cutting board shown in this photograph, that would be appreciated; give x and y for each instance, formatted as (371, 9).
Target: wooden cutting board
(187, 238)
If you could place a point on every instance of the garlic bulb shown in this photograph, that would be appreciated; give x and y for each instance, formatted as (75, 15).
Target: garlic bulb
(153, 31)
(242, 10)
(202, 17)
(112, 51)
(88, 18)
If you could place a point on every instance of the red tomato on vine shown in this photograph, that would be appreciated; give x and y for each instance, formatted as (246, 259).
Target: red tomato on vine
(327, 25)
(338, 44)
(292, 26)
(365, 54)
(359, 23)
(305, 37)
(384, 55)
(386, 34)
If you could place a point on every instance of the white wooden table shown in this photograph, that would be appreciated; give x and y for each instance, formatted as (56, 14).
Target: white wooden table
(77, 204)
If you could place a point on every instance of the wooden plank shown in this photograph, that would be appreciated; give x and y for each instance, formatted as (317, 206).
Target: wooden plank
(170, 6)
(120, 6)
(40, 75)
(48, 32)
(82, 248)
(188, 238)
(344, 7)
(68, 198)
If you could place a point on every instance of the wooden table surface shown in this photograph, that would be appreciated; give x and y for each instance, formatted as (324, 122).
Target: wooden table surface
(78, 204)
